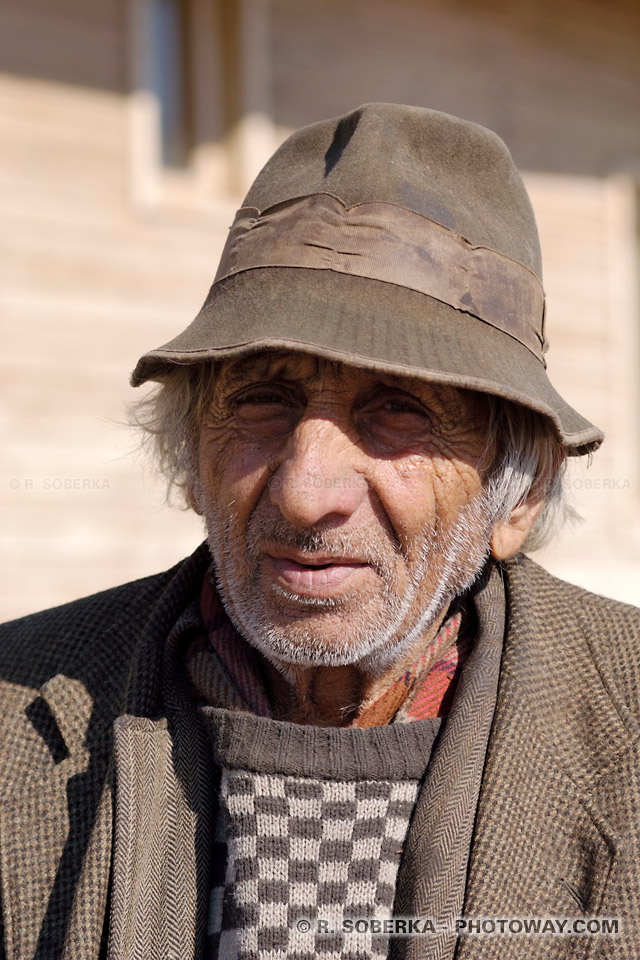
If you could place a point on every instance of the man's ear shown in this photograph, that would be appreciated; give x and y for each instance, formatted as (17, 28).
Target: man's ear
(509, 535)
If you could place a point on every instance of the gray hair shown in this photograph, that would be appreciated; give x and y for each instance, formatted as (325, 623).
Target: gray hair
(524, 458)
(526, 461)
(169, 419)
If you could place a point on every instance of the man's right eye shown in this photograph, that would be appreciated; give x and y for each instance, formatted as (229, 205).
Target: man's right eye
(266, 408)
(262, 397)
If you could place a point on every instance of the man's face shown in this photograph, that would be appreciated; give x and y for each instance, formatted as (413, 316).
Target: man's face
(344, 508)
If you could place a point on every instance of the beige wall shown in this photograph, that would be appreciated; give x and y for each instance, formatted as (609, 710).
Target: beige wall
(559, 81)
(103, 254)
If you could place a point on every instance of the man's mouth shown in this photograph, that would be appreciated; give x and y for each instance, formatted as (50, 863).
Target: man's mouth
(313, 573)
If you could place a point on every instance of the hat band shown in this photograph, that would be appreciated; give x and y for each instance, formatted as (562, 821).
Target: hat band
(383, 241)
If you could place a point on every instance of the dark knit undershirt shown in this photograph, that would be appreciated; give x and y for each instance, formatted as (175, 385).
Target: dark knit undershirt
(310, 826)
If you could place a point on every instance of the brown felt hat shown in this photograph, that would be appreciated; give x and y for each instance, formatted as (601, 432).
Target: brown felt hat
(394, 238)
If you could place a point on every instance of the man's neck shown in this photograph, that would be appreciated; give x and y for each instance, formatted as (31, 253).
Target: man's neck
(335, 696)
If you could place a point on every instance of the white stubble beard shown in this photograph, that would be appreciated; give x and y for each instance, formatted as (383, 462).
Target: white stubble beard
(460, 551)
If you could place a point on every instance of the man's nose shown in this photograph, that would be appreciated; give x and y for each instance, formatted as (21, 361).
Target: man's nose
(320, 477)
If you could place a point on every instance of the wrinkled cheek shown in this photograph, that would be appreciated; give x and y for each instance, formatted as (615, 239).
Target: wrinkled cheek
(233, 480)
(415, 522)
(228, 547)
(408, 491)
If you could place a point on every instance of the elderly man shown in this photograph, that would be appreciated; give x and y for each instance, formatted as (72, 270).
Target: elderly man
(358, 722)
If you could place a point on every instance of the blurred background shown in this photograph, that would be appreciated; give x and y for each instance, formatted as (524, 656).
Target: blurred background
(129, 131)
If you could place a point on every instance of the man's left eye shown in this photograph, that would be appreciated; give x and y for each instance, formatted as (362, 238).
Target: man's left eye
(400, 405)
(391, 418)
(403, 406)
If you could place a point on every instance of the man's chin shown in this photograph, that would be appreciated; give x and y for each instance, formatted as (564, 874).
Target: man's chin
(290, 649)
(315, 636)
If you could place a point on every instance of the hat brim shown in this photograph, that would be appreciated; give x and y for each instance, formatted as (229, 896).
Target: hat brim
(369, 324)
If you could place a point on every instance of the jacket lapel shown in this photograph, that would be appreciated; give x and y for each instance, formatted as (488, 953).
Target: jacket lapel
(160, 876)
(543, 844)
(164, 814)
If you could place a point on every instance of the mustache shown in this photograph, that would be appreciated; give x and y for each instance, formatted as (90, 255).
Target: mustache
(377, 547)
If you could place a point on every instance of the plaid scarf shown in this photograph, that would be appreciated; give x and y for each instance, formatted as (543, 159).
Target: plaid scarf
(226, 671)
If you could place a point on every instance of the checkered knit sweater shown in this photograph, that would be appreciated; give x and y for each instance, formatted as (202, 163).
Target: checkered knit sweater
(310, 829)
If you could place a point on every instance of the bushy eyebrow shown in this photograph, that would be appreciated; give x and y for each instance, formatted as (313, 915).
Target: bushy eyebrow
(266, 366)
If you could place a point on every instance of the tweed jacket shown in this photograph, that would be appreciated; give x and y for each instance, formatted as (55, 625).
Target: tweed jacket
(557, 829)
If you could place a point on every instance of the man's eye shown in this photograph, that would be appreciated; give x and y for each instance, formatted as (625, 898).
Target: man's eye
(263, 397)
(266, 408)
(396, 417)
(402, 406)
